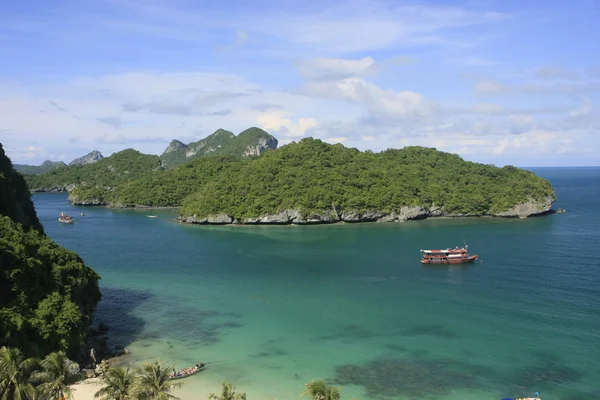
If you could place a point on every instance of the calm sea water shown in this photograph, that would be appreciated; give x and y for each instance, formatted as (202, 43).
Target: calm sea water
(273, 307)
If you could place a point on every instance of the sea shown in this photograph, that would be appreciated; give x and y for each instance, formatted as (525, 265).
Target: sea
(270, 308)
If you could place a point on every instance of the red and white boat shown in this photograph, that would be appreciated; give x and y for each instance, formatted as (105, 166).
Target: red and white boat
(448, 256)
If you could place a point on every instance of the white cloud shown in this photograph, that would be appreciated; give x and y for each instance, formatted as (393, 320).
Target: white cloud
(328, 68)
(379, 102)
(334, 140)
(278, 123)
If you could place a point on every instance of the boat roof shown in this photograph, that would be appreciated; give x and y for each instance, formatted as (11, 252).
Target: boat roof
(443, 251)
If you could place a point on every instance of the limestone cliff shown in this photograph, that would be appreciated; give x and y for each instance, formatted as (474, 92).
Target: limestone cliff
(89, 158)
(296, 217)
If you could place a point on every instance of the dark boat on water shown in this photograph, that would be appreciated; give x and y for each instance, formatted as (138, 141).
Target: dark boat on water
(184, 373)
(448, 256)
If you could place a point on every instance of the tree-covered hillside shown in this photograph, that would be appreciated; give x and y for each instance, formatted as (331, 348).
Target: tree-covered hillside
(15, 199)
(46, 166)
(251, 142)
(94, 178)
(47, 294)
(314, 177)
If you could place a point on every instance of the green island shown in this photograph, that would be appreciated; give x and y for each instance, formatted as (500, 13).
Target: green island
(44, 167)
(307, 182)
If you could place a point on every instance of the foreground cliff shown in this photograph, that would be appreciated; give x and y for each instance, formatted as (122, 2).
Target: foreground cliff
(313, 182)
(47, 294)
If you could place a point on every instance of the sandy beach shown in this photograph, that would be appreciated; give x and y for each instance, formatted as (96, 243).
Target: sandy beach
(86, 389)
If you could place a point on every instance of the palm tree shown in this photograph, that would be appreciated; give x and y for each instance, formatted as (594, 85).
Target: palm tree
(227, 393)
(58, 372)
(154, 384)
(118, 383)
(320, 390)
(15, 374)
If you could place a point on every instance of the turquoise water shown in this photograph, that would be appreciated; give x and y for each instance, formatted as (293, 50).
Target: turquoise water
(273, 307)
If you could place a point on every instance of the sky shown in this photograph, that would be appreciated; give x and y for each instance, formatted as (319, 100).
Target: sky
(498, 82)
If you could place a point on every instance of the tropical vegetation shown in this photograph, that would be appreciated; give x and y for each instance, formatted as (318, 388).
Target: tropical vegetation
(47, 294)
(31, 378)
(227, 393)
(321, 390)
(221, 142)
(46, 166)
(119, 383)
(314, 177)
(105, 173)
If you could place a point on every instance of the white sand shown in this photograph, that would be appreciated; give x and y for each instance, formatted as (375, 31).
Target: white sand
(85, 390)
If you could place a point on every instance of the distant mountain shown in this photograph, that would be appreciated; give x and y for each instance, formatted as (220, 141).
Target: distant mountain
(46, 166)
(105, 173)
(88, 158)
(249, 143)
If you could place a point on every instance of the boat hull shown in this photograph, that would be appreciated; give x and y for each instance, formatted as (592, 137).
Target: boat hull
(64, 221)
(461, 260)
(174, 378)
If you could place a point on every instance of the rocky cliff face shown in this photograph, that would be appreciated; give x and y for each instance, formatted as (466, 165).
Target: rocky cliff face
(262, 145)
(296, 217)
(174, 145)
(88, 158)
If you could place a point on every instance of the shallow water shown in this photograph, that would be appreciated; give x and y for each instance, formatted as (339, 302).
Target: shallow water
(272, 307)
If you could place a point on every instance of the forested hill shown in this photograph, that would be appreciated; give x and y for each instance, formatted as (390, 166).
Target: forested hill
(47, 294)
(46, 166)
(105, 173)
(312, 181)
(251, 142)
(15, 199)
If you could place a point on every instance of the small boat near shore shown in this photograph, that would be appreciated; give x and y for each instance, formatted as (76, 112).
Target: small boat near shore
(448, 256)
(65, 219)
(184, 373)
(151, 216)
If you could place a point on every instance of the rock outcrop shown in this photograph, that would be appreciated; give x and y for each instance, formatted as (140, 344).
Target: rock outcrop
(529, 208)
(174, 145)
(88, 158)
(263, 144)
(296, 217)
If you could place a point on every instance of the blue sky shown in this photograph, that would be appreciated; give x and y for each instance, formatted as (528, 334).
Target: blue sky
(502, 82)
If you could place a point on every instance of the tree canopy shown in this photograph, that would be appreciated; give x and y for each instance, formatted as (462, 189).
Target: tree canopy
(47, 294)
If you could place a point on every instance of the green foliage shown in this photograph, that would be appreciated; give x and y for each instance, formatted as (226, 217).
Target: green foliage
(46, 166)
(312, 176)
(57, 373)
(227, 393)
(119, 384)
(15, 199)
(315, 177)
(220, 143)
(47, 294)
(120, 167)
(154, 384)
(320, 390)
(15, 375)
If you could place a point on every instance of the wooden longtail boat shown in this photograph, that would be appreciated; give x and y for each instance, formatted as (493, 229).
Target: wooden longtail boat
(190, 371)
